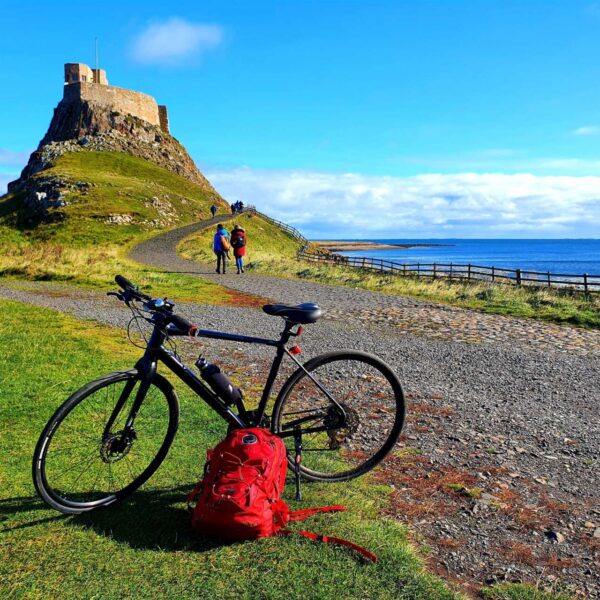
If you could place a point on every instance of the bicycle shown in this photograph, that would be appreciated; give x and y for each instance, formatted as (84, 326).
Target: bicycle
(340, 413)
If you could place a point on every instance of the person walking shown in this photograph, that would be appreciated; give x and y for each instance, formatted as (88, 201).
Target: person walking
(232, 208)
(221, 247)
(238, 243)
(213, 210)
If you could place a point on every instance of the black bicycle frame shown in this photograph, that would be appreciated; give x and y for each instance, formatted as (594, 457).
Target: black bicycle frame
(156, 351)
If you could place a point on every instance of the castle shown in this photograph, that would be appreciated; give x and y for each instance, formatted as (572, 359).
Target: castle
(97, 117)
(85, 84)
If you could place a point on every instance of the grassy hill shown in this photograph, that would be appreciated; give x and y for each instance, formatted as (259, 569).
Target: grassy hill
(82, 247)
(120, 184)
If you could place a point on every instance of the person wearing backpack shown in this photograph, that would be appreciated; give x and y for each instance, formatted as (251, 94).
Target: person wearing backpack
(238, 243)
(221, 247)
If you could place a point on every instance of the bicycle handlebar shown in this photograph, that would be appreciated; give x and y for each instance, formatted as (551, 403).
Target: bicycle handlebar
(124, 283)
(182, 326)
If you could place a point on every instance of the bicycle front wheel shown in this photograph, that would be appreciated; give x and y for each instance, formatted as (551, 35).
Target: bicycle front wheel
(81, 464)
(349, 410)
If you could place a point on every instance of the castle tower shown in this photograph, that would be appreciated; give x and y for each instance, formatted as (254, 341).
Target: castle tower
(80, 73)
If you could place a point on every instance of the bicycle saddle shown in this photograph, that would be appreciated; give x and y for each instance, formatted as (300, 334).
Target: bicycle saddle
(301, 313)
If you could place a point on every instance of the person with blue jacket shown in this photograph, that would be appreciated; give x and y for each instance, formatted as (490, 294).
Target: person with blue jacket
(221, 247)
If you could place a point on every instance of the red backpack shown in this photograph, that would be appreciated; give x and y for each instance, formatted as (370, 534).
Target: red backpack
(239, 497)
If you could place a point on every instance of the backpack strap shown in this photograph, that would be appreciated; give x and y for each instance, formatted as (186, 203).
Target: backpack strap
(300, 515)
(333, 540)
(194, 494)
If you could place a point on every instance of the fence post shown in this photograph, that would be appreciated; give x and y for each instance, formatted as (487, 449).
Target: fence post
(518, 272)
(434, 270)
(404, 269)
(549, 281)
(493, 274)
(469, 272)
(418, 269)
(585, 283)
(450, 271)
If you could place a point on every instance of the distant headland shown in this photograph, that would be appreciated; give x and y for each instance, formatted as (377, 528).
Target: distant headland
(343, 246)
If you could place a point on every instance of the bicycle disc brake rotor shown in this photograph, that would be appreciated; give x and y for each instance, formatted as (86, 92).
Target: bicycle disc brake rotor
(340, 431)
(116, 446)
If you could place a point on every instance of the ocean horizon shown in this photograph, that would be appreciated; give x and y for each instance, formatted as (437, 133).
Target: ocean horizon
(568, 256)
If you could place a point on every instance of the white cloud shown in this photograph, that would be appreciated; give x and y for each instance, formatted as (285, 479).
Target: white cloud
(462, 205)
(174, 40)
(587, 130)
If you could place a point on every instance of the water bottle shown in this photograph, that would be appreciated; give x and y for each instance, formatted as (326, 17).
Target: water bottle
(218, 382)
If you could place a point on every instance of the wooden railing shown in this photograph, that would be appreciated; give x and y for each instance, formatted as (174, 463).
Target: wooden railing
(465, 272)
(448, 271)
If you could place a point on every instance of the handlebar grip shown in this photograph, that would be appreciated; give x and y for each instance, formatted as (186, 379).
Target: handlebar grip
(183, 325)
(124, 283)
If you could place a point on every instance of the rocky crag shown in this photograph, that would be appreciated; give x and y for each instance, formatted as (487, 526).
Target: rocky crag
(84, 122)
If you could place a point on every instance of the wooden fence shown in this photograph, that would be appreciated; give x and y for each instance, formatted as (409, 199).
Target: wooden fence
(449, 271)
(461, 272)
(291, 230)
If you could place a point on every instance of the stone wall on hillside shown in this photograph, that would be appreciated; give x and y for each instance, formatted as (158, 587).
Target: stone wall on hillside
(118, 99)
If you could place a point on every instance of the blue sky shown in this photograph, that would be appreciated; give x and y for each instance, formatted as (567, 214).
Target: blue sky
(456, 118)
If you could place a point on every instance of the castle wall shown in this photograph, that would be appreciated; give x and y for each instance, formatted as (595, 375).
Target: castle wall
(163, 117)
(121, 100)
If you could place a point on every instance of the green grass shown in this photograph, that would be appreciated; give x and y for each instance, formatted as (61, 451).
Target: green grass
(271, 251)
(120, 184)
(144, 548)
(85, 251)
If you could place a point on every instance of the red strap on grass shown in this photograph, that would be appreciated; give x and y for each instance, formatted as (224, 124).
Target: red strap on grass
(300, 515)
(332, 540)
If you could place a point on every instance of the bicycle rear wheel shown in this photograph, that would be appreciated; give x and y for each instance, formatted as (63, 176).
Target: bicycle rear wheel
(79, 465)
(339, 446)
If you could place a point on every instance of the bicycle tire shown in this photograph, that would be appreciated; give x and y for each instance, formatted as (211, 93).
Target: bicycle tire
(40, 458)
(286, 397)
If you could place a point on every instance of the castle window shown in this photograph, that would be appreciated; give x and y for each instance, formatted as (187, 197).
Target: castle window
(83, 78)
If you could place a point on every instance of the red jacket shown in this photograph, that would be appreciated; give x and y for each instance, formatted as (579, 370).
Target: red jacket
(240, 251)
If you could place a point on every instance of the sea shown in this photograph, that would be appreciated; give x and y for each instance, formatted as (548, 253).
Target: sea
(568, 256)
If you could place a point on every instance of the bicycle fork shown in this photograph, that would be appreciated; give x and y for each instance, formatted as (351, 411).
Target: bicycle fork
(148, 369)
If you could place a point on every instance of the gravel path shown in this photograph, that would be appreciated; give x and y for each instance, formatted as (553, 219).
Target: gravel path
(401, 313)
(498, 468)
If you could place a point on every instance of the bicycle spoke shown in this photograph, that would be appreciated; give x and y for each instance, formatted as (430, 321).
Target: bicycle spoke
(82, 460)
(350, 439)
